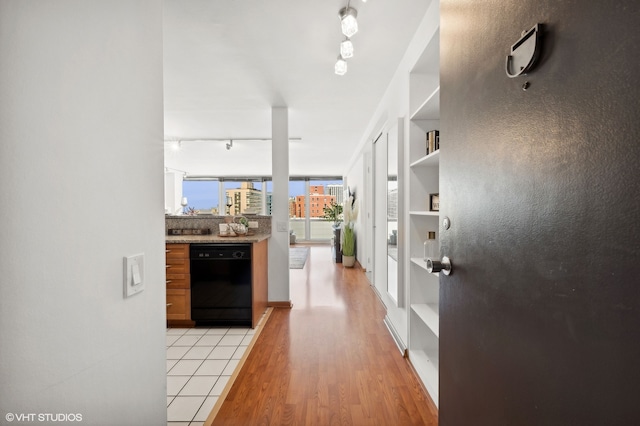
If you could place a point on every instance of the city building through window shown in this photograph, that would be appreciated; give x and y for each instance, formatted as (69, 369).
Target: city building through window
(238, 196)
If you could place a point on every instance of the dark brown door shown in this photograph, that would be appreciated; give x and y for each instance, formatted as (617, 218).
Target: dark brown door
(540, 320)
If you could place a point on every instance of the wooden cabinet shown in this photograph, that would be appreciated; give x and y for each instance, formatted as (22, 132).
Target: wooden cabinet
(260, 281)
(178, 304)
(178, 283)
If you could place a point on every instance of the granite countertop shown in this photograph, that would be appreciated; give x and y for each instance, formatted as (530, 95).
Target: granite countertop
(214, 238)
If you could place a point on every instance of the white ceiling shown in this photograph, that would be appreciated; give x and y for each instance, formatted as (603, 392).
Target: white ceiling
(227, 62)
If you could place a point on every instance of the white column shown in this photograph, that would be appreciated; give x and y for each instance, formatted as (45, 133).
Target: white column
(279, 242)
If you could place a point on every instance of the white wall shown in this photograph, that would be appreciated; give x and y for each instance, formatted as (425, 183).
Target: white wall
(172, 192)
(80, 138)
(355, 182)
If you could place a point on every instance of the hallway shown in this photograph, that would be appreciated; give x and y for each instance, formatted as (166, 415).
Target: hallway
(328, 360)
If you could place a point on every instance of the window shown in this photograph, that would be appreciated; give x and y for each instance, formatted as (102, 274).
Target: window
(238, 196)
(243, 196)
(202, 195)
(316, 193)
(235, 197)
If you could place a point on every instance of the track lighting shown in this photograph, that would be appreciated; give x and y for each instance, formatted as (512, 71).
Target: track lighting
(229, 144)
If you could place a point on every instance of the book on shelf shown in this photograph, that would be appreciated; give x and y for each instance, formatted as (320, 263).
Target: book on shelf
(433, 141)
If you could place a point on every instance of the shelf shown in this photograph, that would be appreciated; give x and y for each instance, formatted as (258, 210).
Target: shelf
(421, 263)
(429, 314)
(423, 213)
(431, 160)
(423, 180)
(430, 108)
(427, 370)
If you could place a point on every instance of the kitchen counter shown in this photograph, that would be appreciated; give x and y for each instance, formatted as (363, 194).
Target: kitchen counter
(214, 238)
(180, 277)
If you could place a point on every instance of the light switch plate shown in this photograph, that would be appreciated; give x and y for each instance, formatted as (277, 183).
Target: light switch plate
(133, 274)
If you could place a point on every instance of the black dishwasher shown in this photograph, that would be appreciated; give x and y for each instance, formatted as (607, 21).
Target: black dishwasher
(221, 284)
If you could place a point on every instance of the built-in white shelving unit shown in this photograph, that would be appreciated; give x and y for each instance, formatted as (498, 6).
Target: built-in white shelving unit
(423, 213)
(430, 160)
(423, 180)
(429, 314)
(421, 263)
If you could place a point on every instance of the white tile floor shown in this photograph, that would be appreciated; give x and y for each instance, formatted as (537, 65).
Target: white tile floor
(200, 362)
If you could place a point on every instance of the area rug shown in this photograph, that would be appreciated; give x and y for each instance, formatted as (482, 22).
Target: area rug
(298, 257)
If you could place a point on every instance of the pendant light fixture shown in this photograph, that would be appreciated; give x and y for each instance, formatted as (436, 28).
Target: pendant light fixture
(341, 66)
(349, 26)
(348, 19)
(346, 48)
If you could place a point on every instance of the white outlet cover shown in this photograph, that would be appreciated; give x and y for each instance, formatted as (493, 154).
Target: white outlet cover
(133, 275)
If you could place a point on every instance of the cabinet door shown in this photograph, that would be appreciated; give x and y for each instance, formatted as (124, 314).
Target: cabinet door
(177, 266)
(178, 281)
(177, 251)
(178, 304)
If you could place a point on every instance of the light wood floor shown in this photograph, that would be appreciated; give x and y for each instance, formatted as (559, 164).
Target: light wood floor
(327, 361)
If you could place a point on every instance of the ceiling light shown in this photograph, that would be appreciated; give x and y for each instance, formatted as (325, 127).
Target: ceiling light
(349, 24)
(346, 49)
(229, 144)
(341, 66)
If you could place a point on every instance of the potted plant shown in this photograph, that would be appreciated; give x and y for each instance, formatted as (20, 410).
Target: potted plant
(333, 213)
(348, 246)
(348, 234)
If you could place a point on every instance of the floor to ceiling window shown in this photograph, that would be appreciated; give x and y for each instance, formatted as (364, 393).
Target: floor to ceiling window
(307, 199)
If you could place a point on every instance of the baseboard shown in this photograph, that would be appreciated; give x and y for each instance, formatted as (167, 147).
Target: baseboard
(421, 383)
(395, 336)
(286, 304)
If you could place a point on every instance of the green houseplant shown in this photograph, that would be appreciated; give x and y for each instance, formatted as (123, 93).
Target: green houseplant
(333, 213)
(348, 246)
(348, 232)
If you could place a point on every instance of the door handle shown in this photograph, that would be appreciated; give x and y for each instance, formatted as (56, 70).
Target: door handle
(443, 265)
